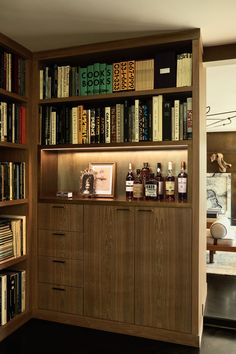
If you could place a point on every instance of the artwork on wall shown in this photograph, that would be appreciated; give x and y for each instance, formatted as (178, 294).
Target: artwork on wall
(219, 193)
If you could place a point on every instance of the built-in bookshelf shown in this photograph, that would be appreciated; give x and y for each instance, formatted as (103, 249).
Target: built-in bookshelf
(15, 196)
(125, 101)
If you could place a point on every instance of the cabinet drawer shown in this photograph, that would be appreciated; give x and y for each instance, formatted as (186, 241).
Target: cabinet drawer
(61, 298)
(61, 271)
(63, 244)
(61, 217)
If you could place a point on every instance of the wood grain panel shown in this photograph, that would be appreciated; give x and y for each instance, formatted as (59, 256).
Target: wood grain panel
(109, 263)
(60, 271)
(163, 268)
(61, 217)
(63, 299)
(60, 244)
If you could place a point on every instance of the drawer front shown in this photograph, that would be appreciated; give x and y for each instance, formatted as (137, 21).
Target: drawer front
(61, 271)
(61, 217)
(62, 244)
(61, 298)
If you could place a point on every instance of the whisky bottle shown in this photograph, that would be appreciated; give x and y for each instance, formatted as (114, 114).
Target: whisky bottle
(151, 188)
(170, 183)
(182, 183)
(138, 186)
(160, 183)
(129, 183)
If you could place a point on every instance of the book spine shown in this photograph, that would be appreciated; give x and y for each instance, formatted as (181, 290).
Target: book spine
(74, 125)
(97, 124)
(102, 78)
(131, 75)
(83, 82)
(167, 126)
(92, 126)
(176, 119)
(90, 80)
(160, 117)
(155, 111)
(109, 78)
(102, 126)
(123, 76)
(136, 120)
(107, 125)
(113, 124)
(84, 126)
(118, 123)
(96, 78)
(189, 118)
(116, 78)
(80, 114)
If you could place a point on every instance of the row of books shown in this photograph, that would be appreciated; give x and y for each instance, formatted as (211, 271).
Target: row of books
(12, 180)
(12, 72)
(154, 119)
(12, 122)
(166, 70)
(12, 294)
(12, 236)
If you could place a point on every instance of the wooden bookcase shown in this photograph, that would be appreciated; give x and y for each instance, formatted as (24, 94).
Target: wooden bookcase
(130, 252)
(98, 262)
(14, 91)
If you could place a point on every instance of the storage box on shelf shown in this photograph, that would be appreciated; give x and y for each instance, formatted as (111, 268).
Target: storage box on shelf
(15, 201)
(120, 235)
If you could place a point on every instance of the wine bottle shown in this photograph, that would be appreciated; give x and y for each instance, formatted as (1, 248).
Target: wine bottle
(182, 183)
(129, 183)
(138, 186)
(160, 183)
(170, 183)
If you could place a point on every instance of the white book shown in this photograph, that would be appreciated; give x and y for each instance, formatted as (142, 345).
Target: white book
(155, 112)
(3, 282)
(107, 125)
(74, 125)
(23, 290)
(176, 119)
(118, 123)
(23, 232)
(59, 81)
(160, 118)
(41, 74)
(53, 129)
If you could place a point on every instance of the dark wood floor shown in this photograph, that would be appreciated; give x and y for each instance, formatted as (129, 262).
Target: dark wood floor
(42, 337)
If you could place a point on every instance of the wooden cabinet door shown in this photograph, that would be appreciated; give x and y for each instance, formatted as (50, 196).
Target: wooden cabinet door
(109, 263)
(163, 268)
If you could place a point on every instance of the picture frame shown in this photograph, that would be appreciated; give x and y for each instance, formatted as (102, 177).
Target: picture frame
(219, 193)
(87, 183)
(105, 173)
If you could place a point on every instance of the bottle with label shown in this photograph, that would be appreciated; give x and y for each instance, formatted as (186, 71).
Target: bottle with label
(129, 183)
(151, 188)
(138, 186)
(170, 183)
(145, 172)
(160, 183)
(182, 183)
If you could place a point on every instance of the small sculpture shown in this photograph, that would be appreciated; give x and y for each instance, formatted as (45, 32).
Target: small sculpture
(220, 160)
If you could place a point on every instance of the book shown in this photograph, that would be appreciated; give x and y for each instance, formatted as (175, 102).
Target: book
(131, 75)
(109, 78)
(116, 77)
(176, 119)
(123, 86)
(167, 124)
(102, 78)
(96, 78)
(83, 81)
(92, 126)
(189, 118)
(165, 75)
(3, 302)
(107, 125)
(90, 79)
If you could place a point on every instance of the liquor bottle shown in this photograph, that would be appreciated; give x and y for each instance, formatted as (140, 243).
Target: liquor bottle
(138, 186)
(160, 183)
(129, 183)
(151, 188)
(182, 183)
(170, 183)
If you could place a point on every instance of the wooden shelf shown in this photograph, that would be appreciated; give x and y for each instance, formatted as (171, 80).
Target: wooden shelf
(11, 262)
(118, 96)
(8, 145)
(13, 96)
(13, 202)
(143, 145)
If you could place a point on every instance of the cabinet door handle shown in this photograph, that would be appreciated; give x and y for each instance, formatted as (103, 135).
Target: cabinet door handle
(58, 206)
(58, 261)
(58, 234)
(146, 210)
(58, 289)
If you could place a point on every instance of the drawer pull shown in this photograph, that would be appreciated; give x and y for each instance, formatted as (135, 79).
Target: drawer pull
(58, 206)
(146, 210)
(58, 261)
(58, 289)
(58, 234)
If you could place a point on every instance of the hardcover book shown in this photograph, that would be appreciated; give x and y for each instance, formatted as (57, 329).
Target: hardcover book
(165, 74)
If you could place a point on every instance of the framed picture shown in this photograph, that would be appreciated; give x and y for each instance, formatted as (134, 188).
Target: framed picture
(105, 178)
(219, 193)
(87, 183)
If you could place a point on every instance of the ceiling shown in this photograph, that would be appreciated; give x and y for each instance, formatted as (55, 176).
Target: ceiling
(50, 24)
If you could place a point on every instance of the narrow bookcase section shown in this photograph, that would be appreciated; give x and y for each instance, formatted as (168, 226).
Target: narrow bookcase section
(128, 266)
(15, 201)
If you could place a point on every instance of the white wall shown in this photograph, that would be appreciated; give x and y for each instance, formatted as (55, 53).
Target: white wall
(221, 93)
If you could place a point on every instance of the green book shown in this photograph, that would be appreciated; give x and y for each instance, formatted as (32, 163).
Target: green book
(109, 78)
(83, 81)
(103, 85)
(90, 79)
(96, 78)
